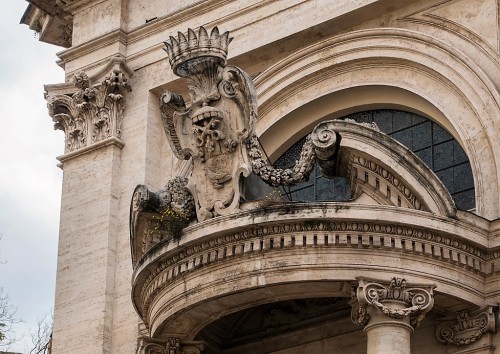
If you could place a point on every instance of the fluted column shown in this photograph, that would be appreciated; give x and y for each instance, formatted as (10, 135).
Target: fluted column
(389, 312)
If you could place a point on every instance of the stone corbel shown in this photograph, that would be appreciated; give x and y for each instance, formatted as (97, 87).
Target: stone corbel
(467, 327)
(93, 113)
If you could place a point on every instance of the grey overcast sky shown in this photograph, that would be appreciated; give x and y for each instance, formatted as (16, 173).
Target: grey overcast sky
(30, 181)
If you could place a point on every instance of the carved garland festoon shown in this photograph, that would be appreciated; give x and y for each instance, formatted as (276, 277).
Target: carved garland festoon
(93, 113)
(467, 327)
(413, 302)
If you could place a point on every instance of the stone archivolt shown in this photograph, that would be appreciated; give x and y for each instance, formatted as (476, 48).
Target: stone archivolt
(468, 327)
(93, 113)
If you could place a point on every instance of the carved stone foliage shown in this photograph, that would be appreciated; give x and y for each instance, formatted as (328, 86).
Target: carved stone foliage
(321, 145)
(91, 114)
(467, 327)
(412, 302)
(158, 216)
(170, 345)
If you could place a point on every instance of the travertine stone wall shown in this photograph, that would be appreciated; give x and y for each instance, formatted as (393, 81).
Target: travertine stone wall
(87, 252)
(311, 60)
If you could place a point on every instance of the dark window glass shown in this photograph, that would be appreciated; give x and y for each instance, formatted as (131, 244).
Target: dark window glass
(429, 141)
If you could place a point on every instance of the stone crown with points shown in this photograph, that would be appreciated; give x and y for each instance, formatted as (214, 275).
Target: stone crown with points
(181, 51)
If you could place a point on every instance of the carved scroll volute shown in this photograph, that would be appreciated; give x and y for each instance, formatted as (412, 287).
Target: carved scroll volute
(467, 327)
(395, 300)
(326, 143)
(91, 114)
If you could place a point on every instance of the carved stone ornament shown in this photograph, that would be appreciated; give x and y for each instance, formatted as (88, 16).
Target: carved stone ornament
(415, 301)
(171, 345)
(91, 114)
(467, 328)
(217, 129)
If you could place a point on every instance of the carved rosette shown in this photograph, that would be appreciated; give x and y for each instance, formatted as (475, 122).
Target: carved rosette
(395, 300)
(467, 327)
(171, 345)
(93, 113)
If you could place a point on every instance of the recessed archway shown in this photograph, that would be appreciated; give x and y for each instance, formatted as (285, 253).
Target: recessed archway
(385, 68)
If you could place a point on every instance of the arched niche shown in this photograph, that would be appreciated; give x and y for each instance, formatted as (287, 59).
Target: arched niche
(386, 68)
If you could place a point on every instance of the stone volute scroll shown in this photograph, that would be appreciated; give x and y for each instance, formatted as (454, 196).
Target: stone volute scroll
(93, 112)
(389, 312)
(467, 326)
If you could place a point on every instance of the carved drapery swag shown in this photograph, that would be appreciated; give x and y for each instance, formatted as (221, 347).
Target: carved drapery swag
(467, 327)
(93, 113)
(416, 301)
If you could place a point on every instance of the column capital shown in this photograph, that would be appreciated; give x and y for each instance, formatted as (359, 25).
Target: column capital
(466, 327)
(90, 113)
(395, 299)
(170, 345)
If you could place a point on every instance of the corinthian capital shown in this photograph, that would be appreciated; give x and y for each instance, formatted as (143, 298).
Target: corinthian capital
(467, 327)
(395, 300)
(92, 113)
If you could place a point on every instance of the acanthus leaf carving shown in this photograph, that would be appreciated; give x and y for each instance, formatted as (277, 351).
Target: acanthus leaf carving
(92, 113)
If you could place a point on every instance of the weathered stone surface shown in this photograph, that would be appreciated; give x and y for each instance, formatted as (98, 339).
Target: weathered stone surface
(310, 61)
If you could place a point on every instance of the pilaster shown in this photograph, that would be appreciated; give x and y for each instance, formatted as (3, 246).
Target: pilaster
(389, 313)
(90, 114)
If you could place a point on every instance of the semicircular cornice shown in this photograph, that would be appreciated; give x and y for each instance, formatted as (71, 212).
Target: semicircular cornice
(413, 63)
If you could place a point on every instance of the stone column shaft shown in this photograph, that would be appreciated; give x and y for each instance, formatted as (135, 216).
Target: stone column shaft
(389, 313)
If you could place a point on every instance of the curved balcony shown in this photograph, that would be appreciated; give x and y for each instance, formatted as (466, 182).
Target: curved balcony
(399, 223)
(303, 250)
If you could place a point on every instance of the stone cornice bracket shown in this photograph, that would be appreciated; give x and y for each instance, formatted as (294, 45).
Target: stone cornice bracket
(94, 112)
(171, 345)
(467, 327)
(395, 300)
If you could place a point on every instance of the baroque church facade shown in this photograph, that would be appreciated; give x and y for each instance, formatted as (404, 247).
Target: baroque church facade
(276, 176)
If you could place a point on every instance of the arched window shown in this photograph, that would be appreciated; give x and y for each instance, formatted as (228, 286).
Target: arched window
(429, 141)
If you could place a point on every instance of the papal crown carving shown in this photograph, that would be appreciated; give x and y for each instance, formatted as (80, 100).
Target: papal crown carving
(182, 51)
